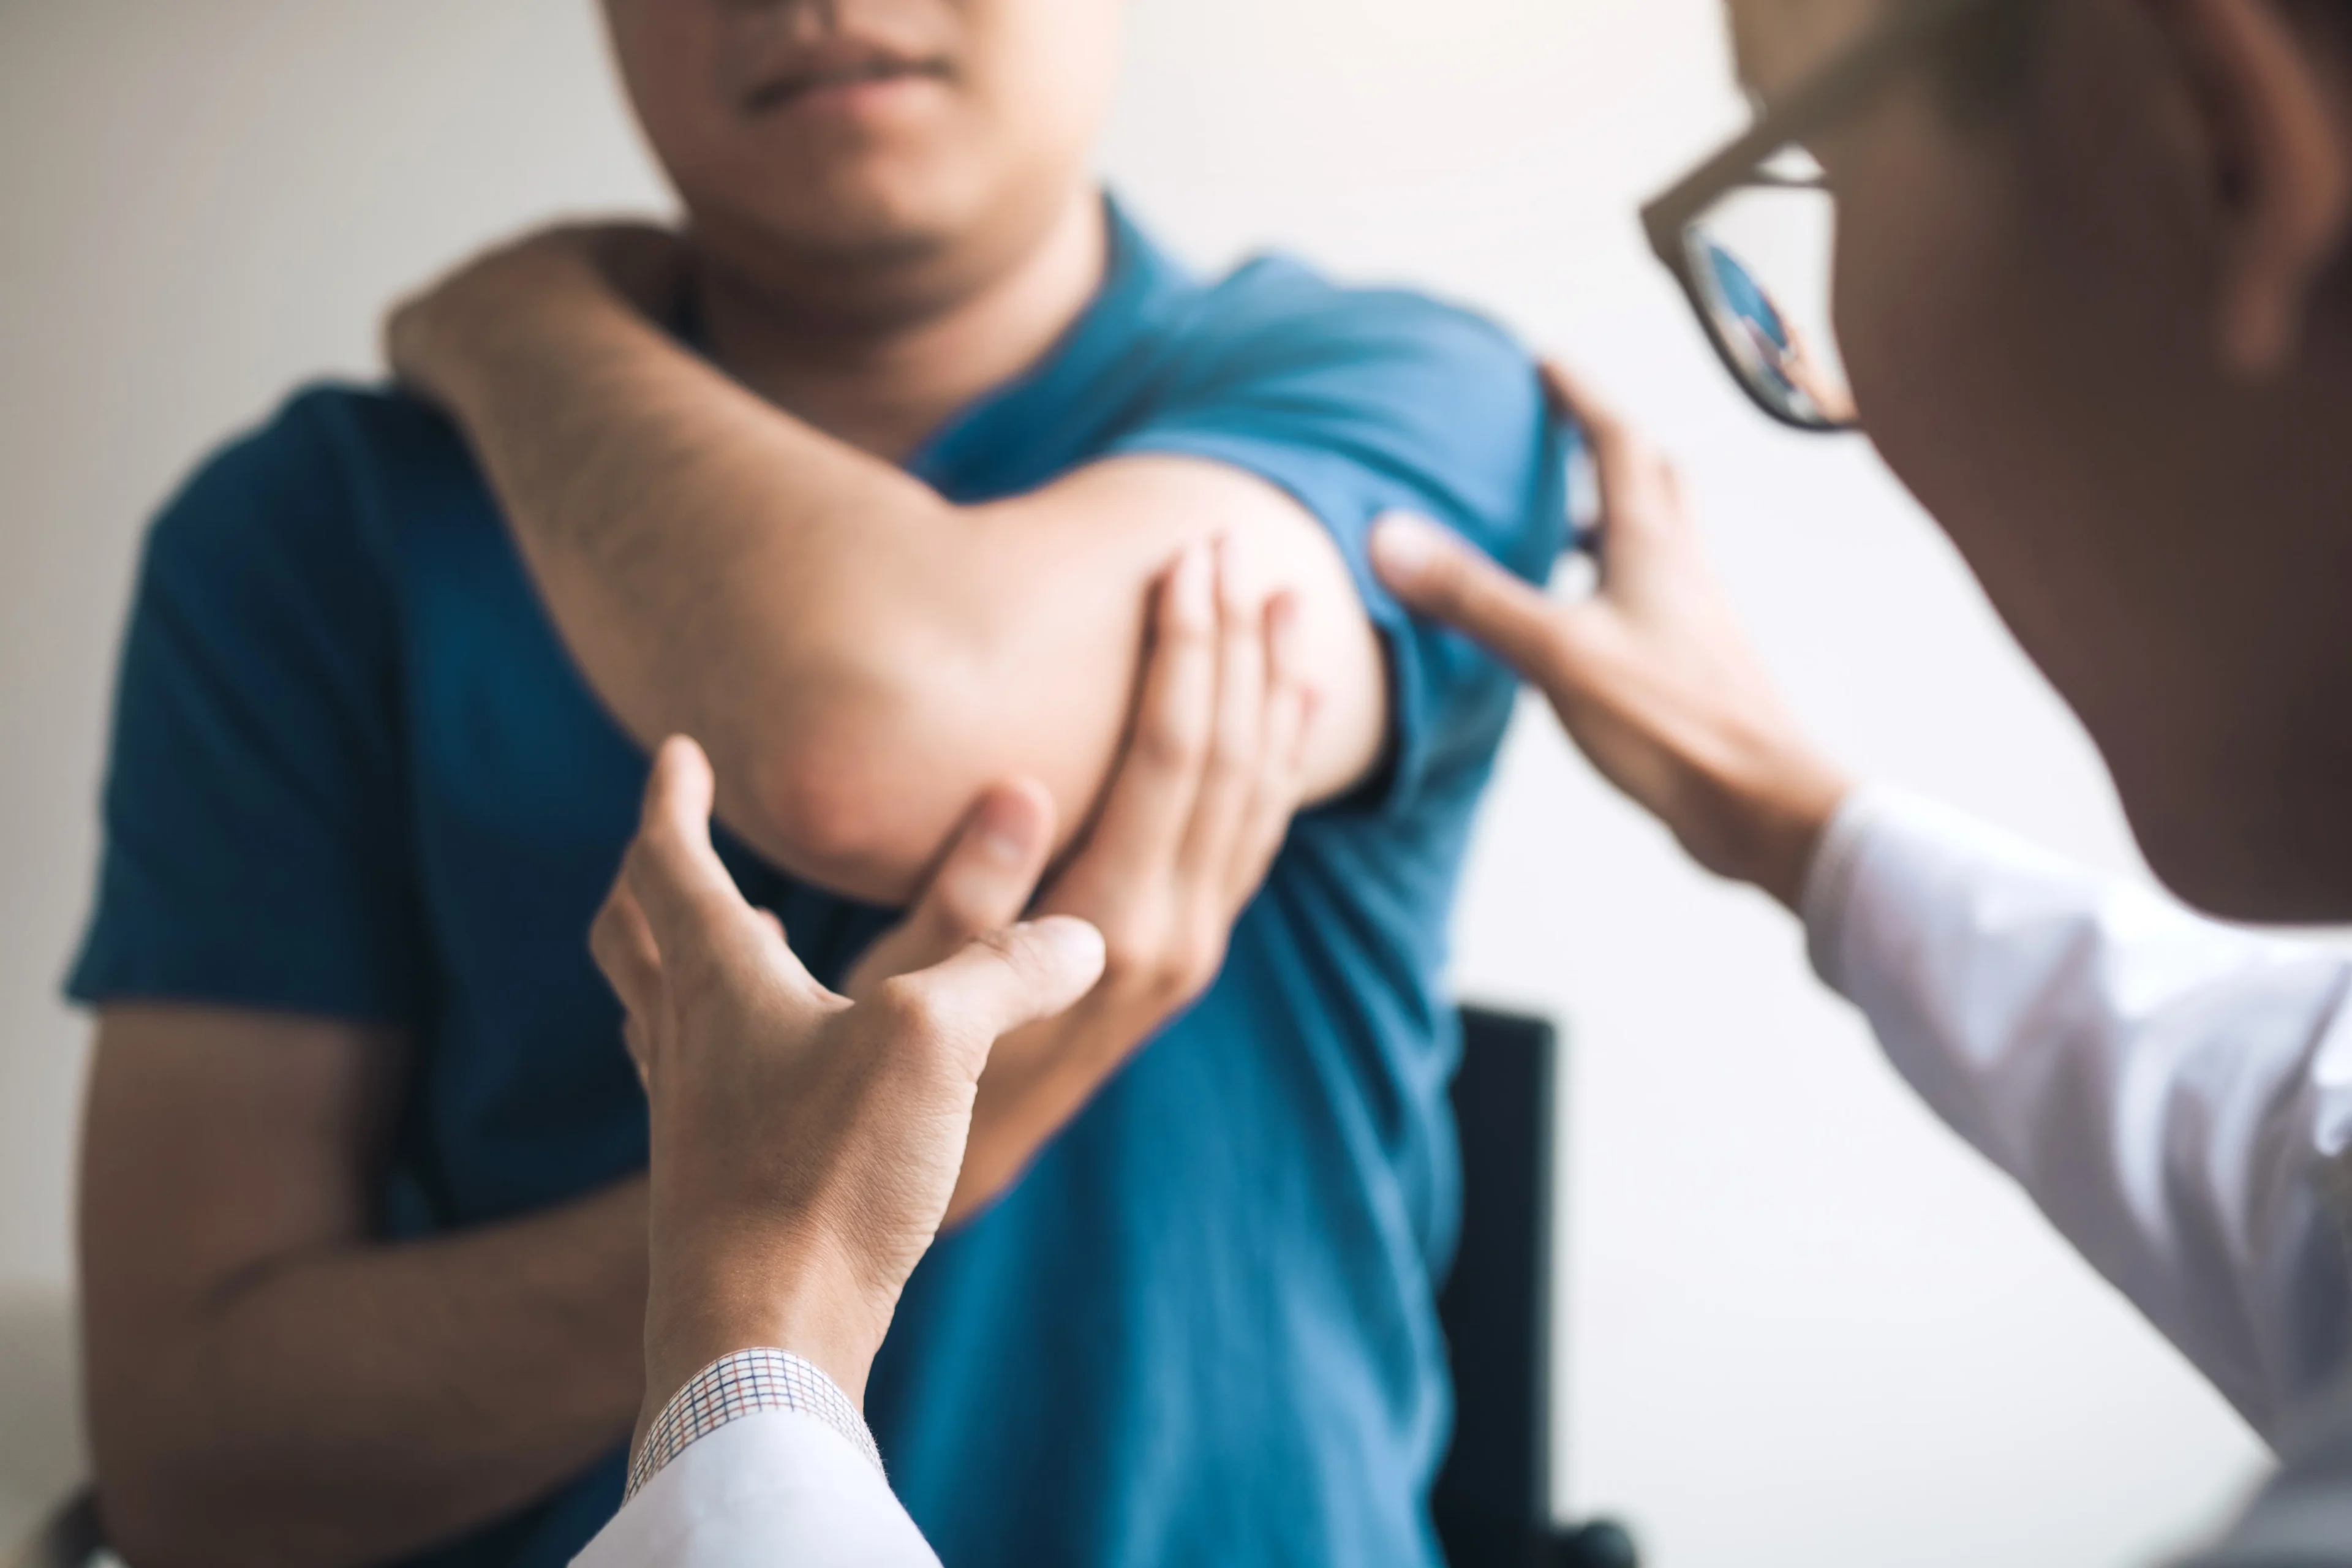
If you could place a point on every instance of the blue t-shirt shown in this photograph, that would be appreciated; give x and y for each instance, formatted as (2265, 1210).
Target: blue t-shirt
(355, 775)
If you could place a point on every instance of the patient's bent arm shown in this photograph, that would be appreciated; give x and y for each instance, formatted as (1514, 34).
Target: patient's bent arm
(860, 656)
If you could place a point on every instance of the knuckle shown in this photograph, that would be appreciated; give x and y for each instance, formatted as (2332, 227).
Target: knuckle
(1130, 946)
(1202, 956)
(1170, 968)
(1168, 745)
(1190, 633)
(1015, 946)
(1231, 763)
(906, 1009)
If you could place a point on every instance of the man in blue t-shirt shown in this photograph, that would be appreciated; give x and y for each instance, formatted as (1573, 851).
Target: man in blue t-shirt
(874, 514)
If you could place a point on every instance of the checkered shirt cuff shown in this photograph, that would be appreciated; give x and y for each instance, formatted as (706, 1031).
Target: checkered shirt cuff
(742, 1384)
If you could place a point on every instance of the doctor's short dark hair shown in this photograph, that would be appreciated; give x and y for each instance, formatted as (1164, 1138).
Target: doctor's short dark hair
(1986, 62)
(1994, 54)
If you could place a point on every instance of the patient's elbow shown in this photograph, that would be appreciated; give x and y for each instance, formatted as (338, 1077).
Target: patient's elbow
(826, 816)
(860, 786)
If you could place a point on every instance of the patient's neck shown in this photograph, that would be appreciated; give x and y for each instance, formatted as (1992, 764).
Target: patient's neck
(886, 379)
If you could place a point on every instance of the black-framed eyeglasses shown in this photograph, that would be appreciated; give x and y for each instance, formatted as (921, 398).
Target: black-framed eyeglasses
(1750, 233)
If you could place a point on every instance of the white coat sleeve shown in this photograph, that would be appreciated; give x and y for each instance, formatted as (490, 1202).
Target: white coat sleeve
(2175, 1094)
(2302, 1518)
(769, 1487)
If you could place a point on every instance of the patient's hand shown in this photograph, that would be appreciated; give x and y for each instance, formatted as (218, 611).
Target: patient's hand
(1200, 801)
(804, 1146)
(1652, 676)
(430, 337)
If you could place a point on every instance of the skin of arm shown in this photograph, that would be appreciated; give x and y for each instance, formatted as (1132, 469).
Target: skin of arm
(269, 1383)
(1200, 805)
(860, 656)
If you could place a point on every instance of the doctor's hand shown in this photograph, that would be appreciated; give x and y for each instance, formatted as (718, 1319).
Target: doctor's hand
(1652, 674)
(1194, 814)
(804, 1146)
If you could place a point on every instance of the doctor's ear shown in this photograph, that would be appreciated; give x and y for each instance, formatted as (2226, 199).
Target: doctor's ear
(2264, 82)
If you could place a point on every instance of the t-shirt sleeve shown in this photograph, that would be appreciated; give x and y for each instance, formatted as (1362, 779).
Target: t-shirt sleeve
(1361, 402)
(255, 825)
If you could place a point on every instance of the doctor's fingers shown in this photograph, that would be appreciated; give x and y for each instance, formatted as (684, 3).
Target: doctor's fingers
(996, 985)
(1435, 573)
(700, 924)
(622, 946)
(1641, 491)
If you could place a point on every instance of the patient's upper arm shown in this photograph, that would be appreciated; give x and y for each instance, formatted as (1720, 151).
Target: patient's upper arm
(1022, 658)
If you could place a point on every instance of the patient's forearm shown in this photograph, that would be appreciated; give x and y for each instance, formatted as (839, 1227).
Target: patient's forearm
(715, 569)
(353, 1407)
(858, 656)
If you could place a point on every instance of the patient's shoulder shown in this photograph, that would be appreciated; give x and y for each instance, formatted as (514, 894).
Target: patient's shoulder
(1276, 314)
(310, 482)
(1434, 397)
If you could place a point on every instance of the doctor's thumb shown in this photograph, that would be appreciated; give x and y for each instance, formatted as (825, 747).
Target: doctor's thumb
(1436, 573)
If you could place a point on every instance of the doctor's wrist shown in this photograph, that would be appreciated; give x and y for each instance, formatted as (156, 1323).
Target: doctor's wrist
(1772, 813)
(787, 1297)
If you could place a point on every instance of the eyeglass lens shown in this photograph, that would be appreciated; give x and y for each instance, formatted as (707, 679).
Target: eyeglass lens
(1759, 260)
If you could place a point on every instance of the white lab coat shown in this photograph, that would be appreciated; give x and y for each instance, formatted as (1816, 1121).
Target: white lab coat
(773, 1488)
(2175, 1094)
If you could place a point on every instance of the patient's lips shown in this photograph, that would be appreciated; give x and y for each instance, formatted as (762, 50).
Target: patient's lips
(842, 75)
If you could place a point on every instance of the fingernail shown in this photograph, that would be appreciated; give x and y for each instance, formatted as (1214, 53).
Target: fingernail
(1072, 942)
(1007, 829)
(1195, 589)
(1405, 547)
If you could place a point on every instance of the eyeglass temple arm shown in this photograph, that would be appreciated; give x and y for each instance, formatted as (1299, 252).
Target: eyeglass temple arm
(1837, 88)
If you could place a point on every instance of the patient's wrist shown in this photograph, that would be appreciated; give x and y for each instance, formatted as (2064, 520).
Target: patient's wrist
(444, 343)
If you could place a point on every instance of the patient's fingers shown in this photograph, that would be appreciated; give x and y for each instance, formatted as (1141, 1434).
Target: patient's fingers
(1229, 776)
(989, 875)
(1159, 777)
(987, 879)
(1436, 574)
(1279, 779)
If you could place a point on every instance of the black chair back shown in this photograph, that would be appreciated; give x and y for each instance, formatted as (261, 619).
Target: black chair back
(1494, 1496)
(1493, 1499)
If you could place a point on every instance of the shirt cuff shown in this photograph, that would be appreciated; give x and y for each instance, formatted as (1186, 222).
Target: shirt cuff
(1829, 881)
(741, 1384)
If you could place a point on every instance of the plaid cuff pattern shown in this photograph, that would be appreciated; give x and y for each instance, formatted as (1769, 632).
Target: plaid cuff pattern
(742, 1384)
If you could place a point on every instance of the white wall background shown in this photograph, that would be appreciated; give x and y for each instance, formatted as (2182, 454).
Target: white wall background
(1801, 1325)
